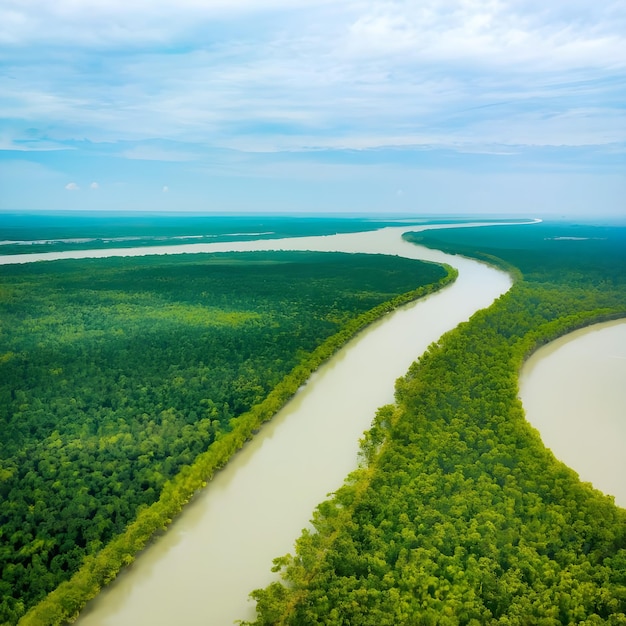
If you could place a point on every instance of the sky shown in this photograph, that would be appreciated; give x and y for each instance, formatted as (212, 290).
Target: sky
(383, 106)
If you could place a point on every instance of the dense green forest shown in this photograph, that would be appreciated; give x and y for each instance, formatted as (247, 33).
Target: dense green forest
(125, 383)
(459, 514)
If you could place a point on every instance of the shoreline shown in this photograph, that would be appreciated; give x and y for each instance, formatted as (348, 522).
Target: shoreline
(571, 393)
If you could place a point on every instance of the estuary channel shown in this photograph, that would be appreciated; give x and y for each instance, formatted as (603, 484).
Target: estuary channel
(222, 545)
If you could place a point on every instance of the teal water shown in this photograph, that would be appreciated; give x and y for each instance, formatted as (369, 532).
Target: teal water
(44, 232)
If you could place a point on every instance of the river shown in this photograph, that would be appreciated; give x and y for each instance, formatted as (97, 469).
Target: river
(222, 545)
(574, 392)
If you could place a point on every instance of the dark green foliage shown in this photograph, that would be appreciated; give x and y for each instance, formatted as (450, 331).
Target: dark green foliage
(460, 515)
(125, 383)
(589, 255)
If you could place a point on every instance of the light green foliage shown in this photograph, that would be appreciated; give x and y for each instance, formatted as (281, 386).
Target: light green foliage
(460, 514)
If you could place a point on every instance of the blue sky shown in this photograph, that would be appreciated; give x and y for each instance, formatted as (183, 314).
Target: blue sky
(429, 107)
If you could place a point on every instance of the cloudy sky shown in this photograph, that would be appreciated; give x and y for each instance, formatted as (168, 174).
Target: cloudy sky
(423, 107)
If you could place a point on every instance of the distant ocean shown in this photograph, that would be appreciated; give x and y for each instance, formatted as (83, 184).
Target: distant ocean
(46, 232)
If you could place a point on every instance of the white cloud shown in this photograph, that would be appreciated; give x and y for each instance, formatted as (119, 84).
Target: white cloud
(72, 187)
(94, 185)
(295, 75)
(372, 35)
(107, 23)
(479, 34)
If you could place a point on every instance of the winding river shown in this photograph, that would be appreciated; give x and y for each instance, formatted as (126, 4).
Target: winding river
(574, 392)
(222, 545)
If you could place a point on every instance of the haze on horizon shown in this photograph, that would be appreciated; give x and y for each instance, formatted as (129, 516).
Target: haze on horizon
(449, 107)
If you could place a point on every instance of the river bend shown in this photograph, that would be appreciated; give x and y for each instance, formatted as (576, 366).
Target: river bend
(574, 392)
(202, 569)
(222, 545)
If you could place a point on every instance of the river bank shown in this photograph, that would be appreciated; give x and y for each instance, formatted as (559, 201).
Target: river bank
(573, 392)
(222, 545)
(183, 566)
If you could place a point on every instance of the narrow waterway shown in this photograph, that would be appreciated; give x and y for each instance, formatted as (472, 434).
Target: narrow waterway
(574, 392)
(221, 547)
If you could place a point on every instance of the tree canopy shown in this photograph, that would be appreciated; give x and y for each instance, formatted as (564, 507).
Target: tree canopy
(459, 514)
(125, 383)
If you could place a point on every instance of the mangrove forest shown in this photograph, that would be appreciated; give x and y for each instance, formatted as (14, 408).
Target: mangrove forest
(458, 514)
(125, 383)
